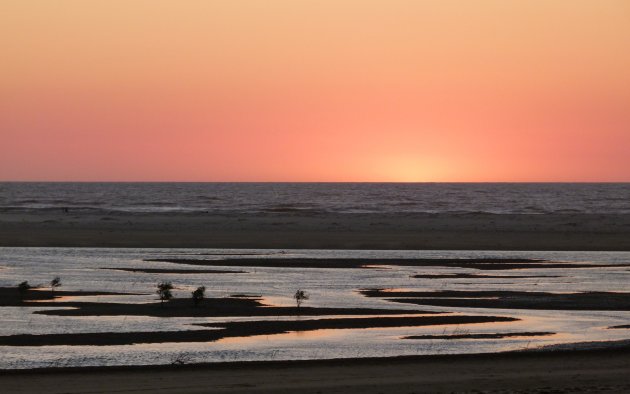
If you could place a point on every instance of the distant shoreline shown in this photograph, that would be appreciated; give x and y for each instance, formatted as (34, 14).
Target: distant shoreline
(408, 231)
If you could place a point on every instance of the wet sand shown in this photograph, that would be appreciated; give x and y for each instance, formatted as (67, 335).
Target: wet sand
(322, 230)
(523, 373)
(10, 296)
(209, 307)
(505, 373)
(587, 301)
(480, 264)
(498, 335)
(477, 276)
(239, 329)
(173, 271)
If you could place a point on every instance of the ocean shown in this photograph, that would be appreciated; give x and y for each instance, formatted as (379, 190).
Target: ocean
(496, 198)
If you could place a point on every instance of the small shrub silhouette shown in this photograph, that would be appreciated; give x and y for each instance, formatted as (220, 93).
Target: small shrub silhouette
(198, 295)
(300, 296)
(164, 291)
(56, 282)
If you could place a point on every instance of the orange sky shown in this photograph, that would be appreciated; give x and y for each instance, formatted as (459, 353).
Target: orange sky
(319, 90)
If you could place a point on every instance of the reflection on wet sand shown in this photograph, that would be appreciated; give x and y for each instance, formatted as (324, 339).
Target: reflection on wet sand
(290, 336)
(260, 321)
(240, 329)
(54, 299)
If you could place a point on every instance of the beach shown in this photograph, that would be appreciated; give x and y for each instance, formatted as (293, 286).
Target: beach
(298, 230)
(504, 301)
(523, 373)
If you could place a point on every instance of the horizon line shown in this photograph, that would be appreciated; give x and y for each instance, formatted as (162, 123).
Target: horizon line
(320, 182)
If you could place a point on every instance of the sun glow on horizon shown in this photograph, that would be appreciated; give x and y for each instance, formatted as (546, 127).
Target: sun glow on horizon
(410, 169)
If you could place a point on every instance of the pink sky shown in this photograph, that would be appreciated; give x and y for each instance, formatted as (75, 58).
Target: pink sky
(326, 90)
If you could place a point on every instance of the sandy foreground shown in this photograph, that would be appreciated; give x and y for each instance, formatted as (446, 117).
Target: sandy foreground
(325, 230)
(544, 372)
(561, 372)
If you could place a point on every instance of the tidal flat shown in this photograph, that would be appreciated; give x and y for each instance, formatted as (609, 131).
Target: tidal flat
(361, 304)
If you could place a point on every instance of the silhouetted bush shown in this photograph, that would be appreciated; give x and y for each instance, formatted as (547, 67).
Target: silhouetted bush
(300, 296)
(56, 282)
(164, 291)
(198, 295)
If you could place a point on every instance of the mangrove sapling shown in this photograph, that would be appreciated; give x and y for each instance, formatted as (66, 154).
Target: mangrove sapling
(300, 296)
(198, 295)
(164, 291)
(56, 282)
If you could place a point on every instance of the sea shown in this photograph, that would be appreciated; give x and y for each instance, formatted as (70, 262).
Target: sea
(495, 198)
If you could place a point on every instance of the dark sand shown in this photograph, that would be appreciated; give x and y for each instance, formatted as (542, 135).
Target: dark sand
(589, 301)
(477, 276)
(508, 373)
(210, 307)
(371, 263)
(10, 296)
(174, 271)
(238, 329)
(256, 296)
(326, 231)
(482, 336)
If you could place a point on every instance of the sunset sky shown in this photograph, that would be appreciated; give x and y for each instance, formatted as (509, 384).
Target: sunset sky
(321, 90)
